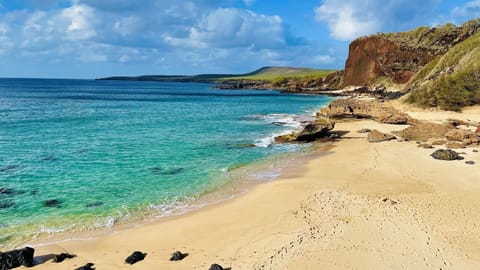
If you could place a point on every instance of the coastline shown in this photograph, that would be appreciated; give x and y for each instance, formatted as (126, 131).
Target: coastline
(380, 205)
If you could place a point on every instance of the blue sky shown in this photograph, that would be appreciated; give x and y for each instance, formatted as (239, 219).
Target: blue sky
(95, 38)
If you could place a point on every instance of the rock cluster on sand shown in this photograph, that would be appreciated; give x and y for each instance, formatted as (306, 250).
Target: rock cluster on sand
(368, 109)
(17, 258)
(446, 154)
(376, 136)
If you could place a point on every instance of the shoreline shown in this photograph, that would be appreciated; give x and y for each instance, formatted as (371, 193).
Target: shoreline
(234, 184)
(380, 205)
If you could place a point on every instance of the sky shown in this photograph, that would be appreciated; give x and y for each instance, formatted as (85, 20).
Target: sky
(98, 38)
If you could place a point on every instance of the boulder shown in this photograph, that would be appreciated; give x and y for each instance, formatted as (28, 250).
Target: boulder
(470, 162)
(446, 154)
(424, 131)
(216, 267)
(178, 256)
(315, 130)
(17, 258)
(461, 135)
(135, 257)
(364, 109)
(88, 266)
(376, 136)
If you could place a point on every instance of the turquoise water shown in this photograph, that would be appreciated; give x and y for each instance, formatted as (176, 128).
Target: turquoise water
(108, 151)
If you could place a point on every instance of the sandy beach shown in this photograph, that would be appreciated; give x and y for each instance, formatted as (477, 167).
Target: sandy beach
(360, 206)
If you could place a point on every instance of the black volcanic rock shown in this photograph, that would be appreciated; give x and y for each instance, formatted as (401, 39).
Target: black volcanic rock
(17, 258)
(62, 256)
(216, 267)
(135, 257)
(446, 154)
(88, 266)
(178, 256)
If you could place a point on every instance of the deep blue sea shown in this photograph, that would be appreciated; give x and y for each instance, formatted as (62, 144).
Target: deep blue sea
(83, 154)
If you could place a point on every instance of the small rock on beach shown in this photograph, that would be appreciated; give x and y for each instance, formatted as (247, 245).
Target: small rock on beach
(135, 257)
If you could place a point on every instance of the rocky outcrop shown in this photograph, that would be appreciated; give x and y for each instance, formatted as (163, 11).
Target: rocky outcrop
(16, 258)
(376, 136)
(399, 56)
(369, 109)
(423, 131)
(446, 154)
(467, 137)
(311, 132)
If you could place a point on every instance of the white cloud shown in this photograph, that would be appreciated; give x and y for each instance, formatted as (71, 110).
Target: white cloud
(345, 21)
(248, 2)
(229, 27)
(470, 10)
(350, 19)
(79, 19)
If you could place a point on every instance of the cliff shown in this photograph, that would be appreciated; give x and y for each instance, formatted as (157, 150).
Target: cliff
(395, 58)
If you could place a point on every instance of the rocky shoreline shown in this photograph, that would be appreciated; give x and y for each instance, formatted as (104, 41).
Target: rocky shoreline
(451, 134)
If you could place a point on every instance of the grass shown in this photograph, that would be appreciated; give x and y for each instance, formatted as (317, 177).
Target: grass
(279, 74)
(451, 81)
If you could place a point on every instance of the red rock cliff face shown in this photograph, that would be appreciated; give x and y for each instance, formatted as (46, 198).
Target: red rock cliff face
(399, 56)
(376, 56)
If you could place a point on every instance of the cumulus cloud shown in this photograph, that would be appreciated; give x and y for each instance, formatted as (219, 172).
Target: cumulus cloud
(161, 36)
(349, 19)
(229, 27)
(469, 11)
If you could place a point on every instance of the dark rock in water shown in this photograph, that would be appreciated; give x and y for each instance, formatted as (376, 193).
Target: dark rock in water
(49, 158)
(470, 162)
(475, 151)
(446, 154)
(9, 168)
(178, 256)
(5, 205)
(94, 204)
(52, 203)
(62, 256)
(376, 136)
(17, 258)
(170, 171)
(216, 267)
(364, 130)
(135, 257)
(6, 191)
(88, 266)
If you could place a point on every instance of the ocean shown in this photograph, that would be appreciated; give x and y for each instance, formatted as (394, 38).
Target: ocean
(79, 155)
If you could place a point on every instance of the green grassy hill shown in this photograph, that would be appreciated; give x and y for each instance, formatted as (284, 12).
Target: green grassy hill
(450, 81)
(280, 73)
